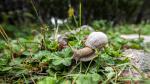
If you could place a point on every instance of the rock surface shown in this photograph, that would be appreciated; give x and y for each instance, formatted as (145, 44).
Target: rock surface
(136, 36)
(138, 58)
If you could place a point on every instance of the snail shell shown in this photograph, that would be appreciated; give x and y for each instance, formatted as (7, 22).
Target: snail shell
(96, 40)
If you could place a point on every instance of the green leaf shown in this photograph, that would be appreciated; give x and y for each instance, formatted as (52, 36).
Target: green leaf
(65, 82)
(96, 77)
(84, 79)
(57, 61)
(6, 68)
(63, 57)
(88, 78)
(47, 80)
(110, 75)
(109, 69)
(40, 54)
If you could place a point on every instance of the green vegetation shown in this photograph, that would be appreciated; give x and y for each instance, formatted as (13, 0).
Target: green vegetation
(30, 52)
(37, 59)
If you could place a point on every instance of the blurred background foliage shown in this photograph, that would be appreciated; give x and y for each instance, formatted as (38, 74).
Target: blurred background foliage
(22, 11)
(24, 14)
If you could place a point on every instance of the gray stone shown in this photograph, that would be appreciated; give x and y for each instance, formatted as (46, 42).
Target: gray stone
(138, 58)
(136, 36)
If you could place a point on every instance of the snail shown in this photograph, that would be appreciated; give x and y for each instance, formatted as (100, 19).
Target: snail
(96, 40)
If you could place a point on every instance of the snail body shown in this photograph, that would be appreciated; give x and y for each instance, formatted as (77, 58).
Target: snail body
(81, 53)
(96, 40)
